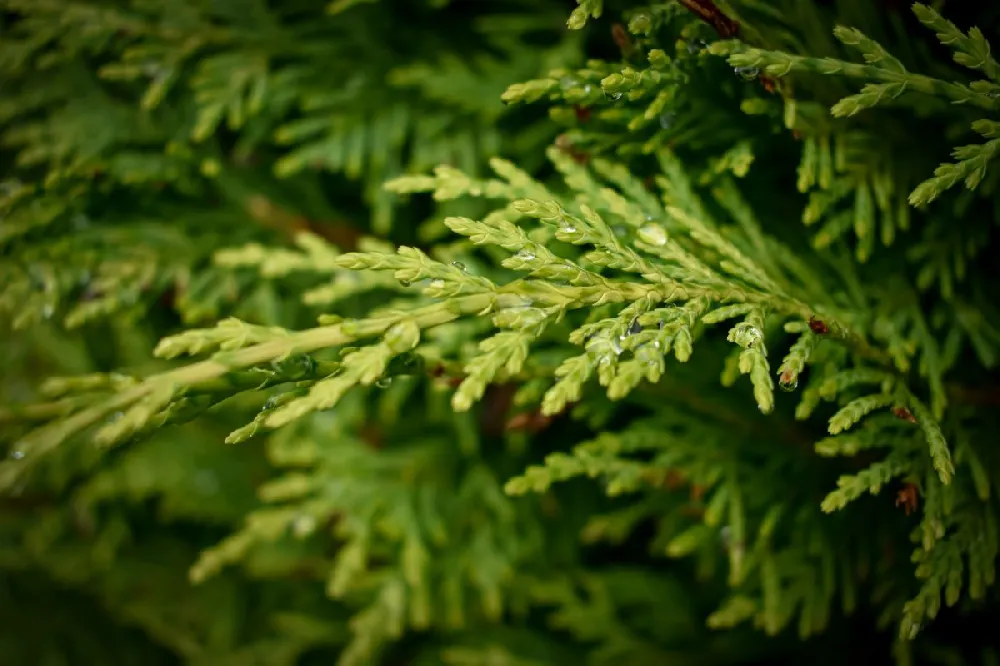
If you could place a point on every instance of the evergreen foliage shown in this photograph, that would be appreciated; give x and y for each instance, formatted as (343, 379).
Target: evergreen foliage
(469, 347)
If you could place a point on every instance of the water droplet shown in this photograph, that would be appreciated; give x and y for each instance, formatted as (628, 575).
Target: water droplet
(666, 120)
(525, 255)
(459, 265)
(304, 525)
(788, 382)
(653, 234)
(587, 89)
(634, 327)
(383, 382)
(568, 229)
(616, 95)
(17, 455)
(405, 283)
(747, 73)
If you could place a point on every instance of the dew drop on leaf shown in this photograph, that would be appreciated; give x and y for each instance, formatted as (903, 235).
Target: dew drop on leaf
(653, 234)
(459, 265)
(525, 255)
(17, 455)
(383, 382)
(788, 383)
(304, 525)
(747, 73)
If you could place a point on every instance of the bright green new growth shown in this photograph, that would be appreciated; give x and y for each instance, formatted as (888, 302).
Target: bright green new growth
(635, 268)
(592, 294)
(633, 251)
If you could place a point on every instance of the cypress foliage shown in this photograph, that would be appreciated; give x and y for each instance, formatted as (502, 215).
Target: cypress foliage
(499, 332)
